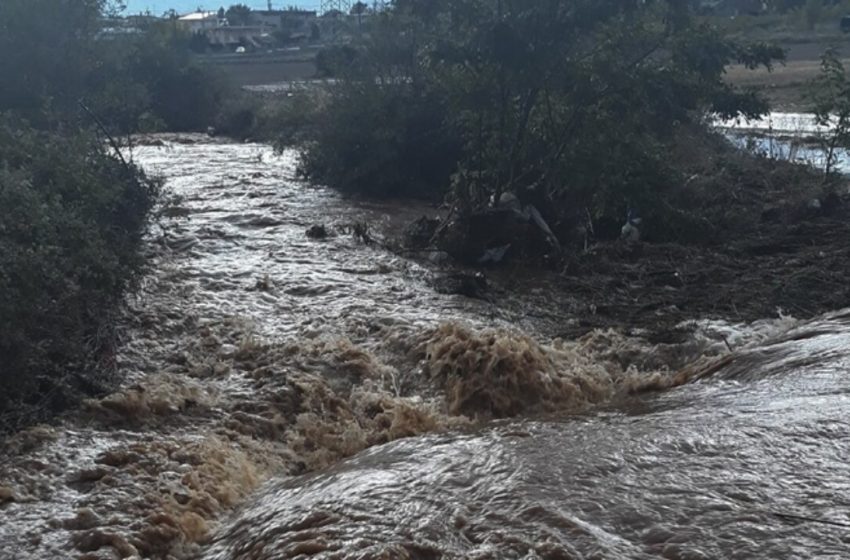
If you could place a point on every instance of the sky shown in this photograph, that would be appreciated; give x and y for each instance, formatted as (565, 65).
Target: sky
(158, 7)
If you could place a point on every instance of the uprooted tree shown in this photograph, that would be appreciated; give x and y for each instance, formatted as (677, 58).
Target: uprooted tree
(567, 104)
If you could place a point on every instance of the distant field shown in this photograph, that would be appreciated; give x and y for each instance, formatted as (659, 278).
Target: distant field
(786, 85)
(255, 70)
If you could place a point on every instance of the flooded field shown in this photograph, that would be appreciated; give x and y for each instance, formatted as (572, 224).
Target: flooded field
(289, 397)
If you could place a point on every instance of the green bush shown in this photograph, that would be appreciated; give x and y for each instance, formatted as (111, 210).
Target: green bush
(154, 75)
(56, 54)
(386, 142)
(71, 220)
(568, 104)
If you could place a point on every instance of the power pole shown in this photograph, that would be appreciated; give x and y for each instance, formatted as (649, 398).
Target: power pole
(343, 6)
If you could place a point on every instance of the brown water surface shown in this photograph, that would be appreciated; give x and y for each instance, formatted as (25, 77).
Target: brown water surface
(296, 398)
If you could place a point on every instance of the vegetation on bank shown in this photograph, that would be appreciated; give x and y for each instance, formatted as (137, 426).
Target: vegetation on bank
(71, 221)
(73, 208)
(569, 106)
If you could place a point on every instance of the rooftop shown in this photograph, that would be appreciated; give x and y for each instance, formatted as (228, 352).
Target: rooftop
(199, 16)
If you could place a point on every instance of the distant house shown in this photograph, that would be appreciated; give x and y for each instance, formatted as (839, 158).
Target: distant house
(249, 36)
(291, 20)
(199, 22)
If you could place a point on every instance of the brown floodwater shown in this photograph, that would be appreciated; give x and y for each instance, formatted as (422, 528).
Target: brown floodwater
(288, 397)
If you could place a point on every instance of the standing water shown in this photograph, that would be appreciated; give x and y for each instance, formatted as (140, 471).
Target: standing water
(288, 397)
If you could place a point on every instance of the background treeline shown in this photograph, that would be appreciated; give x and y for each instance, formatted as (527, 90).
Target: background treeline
(72, 210)
(573, 105)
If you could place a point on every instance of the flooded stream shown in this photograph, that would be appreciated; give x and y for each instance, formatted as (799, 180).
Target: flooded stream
(288, 397)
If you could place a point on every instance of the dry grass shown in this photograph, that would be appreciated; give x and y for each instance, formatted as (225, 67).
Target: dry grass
(785, 86)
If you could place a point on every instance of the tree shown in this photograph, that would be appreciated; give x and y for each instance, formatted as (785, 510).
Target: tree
(813, 11)
(48, 50)
(830, 96)
(358, 9)
(238, 14)
(72, 209)
(566, 102)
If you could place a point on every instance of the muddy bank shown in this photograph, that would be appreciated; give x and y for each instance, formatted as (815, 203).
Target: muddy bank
(797, 270)
(744, 237)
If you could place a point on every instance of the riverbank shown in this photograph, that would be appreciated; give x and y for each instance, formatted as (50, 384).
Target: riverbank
(745, 238)
(797, 269)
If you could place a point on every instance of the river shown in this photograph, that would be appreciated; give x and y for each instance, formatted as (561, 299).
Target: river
(289, 397)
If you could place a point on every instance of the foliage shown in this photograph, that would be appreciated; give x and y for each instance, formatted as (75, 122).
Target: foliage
(48, 50)
(72, 212)
(333, 60)
(71, 218)
(380, 142)
(151, 78)
(830, 97)
(58, 55)
(238, 14)
(569, 104)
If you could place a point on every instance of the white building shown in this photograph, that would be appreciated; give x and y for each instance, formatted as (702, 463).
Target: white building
(199, 22)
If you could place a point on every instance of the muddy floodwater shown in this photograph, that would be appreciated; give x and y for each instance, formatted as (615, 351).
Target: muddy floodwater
(292, 397)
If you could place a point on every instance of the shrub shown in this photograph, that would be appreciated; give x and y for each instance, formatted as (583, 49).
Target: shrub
(567, 104)
(71, 219)
(386, 142)
(154, 75)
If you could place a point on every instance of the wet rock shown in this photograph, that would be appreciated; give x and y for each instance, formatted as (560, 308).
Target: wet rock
(103, 554)
(680, 552)
(86, 518)
(96, 539)
(7, 495)
(174, 212)
(630, 233)
(495, 255)
(361, 231)
(181, 243)
(262, 222)
(194, 527)
(473, 285)
(264, 284)
(418, 235)
(318, 231)
(118, 457)
(831, 204)
(468, 239)
(657, 534)
(30, 439)
(88, 475)
(211, 341)
(438, 257)
(771, 215)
